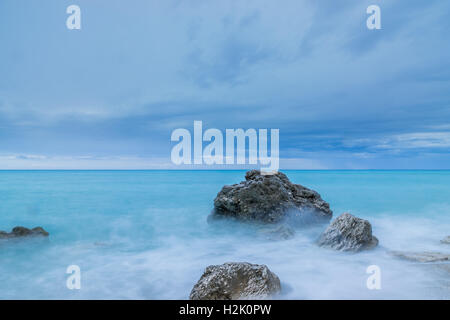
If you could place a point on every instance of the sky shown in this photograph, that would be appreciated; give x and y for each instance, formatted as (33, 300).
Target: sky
(109, 95)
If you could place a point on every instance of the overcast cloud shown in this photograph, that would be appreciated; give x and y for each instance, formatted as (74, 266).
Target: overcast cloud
(110, 94)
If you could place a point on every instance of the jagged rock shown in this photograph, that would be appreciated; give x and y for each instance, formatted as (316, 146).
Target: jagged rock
(278, 232)
(18, 232)
(236, 280)
(270, 199)
(425, 256)
(348, 233)
(446, 240)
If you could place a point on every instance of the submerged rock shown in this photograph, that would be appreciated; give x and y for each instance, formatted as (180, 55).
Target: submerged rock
(425, 256)
(270, 199)
(236, 280)
(348, 233)
(278, 232)
(446, 240)
(19, 232)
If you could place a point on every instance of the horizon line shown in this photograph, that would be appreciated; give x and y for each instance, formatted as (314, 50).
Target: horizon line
(248, 169)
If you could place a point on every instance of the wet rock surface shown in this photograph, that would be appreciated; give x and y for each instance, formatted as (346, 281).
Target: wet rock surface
(424, 257)
(20, 232)
(270, 199)
(236, 280)
(348, 233)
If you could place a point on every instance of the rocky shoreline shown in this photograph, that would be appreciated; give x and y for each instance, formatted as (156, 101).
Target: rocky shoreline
(281, 205)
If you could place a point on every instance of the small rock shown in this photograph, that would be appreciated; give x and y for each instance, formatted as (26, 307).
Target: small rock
(425, 256)
(446, 240)
(19, 232)
(348, 233)
(270, 199)
(236, 280)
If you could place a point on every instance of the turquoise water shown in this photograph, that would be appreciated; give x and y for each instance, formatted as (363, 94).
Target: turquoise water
(144, 235)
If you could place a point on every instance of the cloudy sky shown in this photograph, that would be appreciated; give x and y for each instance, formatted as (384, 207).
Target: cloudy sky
(109, 95)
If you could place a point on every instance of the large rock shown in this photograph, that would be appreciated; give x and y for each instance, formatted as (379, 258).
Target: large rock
(19, 232)
(270, 199)
(236, 280)
(426, 256)
(348, 233)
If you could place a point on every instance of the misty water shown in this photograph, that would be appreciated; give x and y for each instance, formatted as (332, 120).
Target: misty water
(145, 235)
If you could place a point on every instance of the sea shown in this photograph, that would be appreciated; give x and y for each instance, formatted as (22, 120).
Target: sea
(145, 234)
